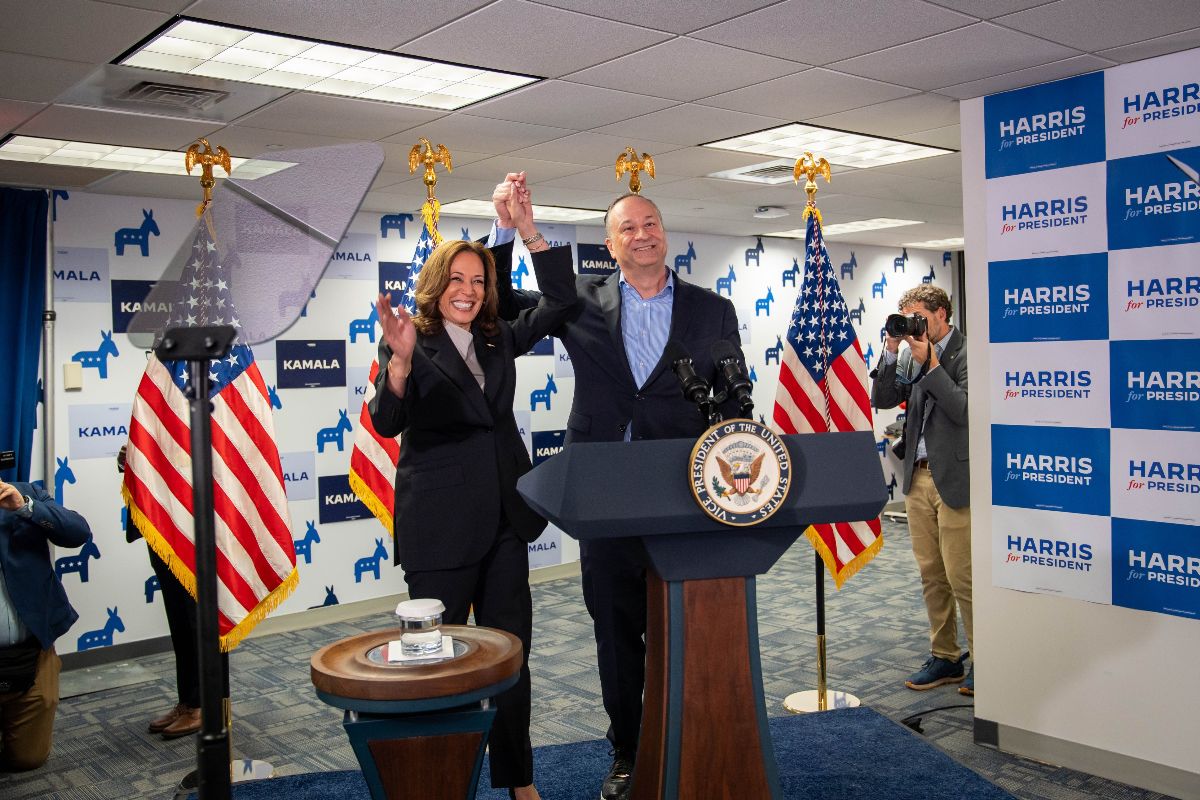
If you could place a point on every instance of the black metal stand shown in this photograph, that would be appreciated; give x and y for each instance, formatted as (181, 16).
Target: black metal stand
(198, 346)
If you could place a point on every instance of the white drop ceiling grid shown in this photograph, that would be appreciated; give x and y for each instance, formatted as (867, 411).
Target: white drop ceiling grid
(663, 77)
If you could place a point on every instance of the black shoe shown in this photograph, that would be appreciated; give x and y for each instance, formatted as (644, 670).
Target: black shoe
(620, 776)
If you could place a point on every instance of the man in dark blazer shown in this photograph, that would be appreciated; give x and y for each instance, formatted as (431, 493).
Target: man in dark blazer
(931, 375)
(34, 611)
(625, 390)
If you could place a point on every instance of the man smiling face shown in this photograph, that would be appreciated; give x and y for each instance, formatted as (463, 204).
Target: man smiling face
(635, 236)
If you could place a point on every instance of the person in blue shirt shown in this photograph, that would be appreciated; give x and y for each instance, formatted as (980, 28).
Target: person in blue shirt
(34, 612)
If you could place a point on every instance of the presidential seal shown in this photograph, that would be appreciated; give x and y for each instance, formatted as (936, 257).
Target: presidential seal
(740, 472)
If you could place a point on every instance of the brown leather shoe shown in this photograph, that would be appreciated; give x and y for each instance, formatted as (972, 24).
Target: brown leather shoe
(188, 722)
(160, 724)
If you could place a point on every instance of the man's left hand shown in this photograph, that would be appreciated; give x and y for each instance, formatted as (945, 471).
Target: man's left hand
(10, 498)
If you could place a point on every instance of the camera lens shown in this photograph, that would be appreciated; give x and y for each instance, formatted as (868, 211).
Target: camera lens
(897, 326)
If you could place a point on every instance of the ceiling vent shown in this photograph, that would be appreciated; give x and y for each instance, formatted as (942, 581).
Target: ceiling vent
(135, 90)
(171, 96)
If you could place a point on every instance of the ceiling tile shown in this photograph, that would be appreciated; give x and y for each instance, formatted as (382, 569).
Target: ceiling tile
(140, 184)
(246, 141)
(676, 16)
(691, 124)
(703, 160)
(596, 149)
(896, 117)
(111, 127)
(84, 31)
(341, 117)
(14, 113)
(968, 54)
(942, 168)
(39, 80)
(379, 24)
(987, 9)
(539, 40)
(48, 176)
(949, 137)
(1026, 77)
(686, 69)
(569, 105)
(1184, 40)
(494, 169)
(808, 94)
(905, 188)
(166, 6)
(604, 180)
(1099, 24)
(395, 155)
(817, 32)
(691, 188)
(479, 134)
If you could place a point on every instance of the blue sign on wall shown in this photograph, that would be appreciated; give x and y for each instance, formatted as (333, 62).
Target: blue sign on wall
(1056, 469)
(1156, 567)
(1049, 299)
(594, 259)
(337, 500)
(1155, 385)
(304, 364)
(547, 444)
(1049, 126)
(1153, 200)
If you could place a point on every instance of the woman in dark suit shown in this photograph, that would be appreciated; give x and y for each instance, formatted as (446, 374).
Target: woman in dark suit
(446, 383)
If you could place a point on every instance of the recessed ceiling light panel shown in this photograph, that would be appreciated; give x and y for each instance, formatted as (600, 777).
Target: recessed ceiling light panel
(838, 147)
(842, 228)
(484, 208)
(121, 159)
(193, 47)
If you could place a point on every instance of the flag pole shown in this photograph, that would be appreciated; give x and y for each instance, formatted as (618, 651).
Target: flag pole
(819, 700)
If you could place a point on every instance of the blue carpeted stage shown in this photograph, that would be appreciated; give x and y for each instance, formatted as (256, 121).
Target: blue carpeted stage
(838, 755)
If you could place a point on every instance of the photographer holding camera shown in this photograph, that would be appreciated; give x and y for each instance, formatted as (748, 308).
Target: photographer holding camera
(931, 374)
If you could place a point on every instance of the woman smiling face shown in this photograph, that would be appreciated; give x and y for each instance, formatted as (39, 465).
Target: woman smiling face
(464, 294)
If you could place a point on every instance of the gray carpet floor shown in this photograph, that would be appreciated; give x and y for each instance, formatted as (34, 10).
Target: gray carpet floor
(877, 635)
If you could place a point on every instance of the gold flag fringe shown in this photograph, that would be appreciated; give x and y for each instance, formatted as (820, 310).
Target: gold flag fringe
(156, 542)
(373, 503)
(430, 212)
(852, 567)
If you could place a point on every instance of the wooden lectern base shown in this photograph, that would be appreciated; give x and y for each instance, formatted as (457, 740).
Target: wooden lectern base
(704, 724)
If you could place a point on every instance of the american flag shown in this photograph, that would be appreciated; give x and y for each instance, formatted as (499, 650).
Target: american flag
(823, 388)
(374, 458)
(256, 562)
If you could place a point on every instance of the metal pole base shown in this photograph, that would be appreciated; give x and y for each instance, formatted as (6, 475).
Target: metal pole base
(807, 702)
(242, 770)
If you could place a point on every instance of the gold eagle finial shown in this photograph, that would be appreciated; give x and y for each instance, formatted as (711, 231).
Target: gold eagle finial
(628, 161)
(431, 208)
(429, 157)
(811, 167)
(207, 158)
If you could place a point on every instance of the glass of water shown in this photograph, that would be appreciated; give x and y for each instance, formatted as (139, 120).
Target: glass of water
(420, 626)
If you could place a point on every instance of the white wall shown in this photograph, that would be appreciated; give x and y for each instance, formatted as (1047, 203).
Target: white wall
(84, 235)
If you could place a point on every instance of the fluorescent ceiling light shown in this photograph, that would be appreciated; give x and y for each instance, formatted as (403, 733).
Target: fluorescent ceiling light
(191, 47)
(938, 244)
(122, 159)
(484, 208)
(838, 147)
(850, 227)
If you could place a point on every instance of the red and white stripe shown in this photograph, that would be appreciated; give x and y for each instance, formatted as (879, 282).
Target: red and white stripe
(256, 562)
(373, 462)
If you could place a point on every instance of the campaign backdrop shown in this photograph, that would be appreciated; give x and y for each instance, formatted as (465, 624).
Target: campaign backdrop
(316, 373)
(1093, 250)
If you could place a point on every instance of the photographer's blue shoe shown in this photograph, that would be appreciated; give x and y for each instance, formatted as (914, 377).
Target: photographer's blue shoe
(968, 687)
(935, 672)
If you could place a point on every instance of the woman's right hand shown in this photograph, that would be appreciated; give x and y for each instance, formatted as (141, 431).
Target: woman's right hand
(401, 337)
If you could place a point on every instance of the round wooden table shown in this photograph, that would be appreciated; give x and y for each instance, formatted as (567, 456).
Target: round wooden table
(418, 729)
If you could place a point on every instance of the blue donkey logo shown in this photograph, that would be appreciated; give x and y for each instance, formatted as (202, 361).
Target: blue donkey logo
(98, 358)
(335, 434)
(138, 237)
(104, 636)
(543, 395)
(393, 222)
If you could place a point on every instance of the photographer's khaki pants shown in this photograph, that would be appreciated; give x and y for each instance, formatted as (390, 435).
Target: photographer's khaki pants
(27, 718)
(941, 541)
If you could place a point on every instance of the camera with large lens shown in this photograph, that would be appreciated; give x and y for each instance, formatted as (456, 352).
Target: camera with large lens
(898, 326)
